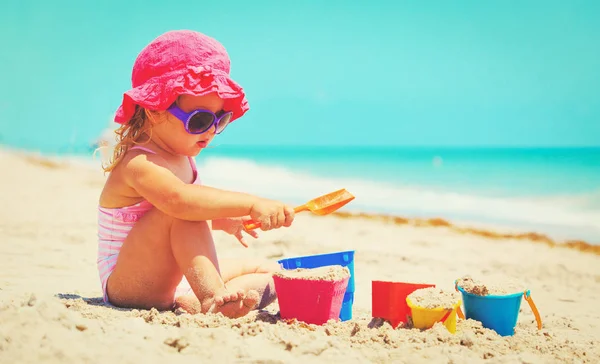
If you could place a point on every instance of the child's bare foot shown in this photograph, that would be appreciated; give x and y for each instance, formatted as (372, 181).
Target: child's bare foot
(238, 308)
(228, 296)
(231, 304)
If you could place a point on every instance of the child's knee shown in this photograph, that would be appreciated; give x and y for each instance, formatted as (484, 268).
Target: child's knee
(179, 223)
(199, 226)
(268, 267)
(174, 223)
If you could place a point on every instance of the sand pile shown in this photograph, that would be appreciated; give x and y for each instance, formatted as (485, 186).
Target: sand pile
(327, 273)
(74, 330)
(433, 297)
(491, 287)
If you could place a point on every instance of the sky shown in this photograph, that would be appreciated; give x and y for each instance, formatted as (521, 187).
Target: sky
(403, 73)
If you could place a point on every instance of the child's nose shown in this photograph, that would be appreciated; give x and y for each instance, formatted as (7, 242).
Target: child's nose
(212, 131)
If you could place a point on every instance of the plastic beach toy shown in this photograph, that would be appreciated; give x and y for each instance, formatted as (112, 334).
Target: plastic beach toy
(322, 205)
(424, 318)
(499, 313)
(343, 258)
(388, 300)
(311, 301)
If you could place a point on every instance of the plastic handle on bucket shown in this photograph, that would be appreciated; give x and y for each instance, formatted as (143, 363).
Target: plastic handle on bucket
(458, 310)
(461, 315)
(443, 319)
(536, 313)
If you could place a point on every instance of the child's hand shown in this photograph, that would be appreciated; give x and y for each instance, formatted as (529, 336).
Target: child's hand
(272, 214)
(235, 227)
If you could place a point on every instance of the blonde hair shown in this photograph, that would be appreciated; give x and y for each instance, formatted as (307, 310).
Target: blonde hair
(127, 135)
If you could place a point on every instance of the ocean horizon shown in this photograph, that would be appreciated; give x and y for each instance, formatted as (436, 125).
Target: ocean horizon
(551, 190)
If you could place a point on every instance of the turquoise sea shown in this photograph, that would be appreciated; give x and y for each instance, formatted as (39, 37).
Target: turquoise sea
(506, 172)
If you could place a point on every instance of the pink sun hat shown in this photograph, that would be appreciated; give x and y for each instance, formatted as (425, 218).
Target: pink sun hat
(181, 62)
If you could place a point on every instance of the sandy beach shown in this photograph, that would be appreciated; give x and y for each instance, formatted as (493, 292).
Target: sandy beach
(51, 309)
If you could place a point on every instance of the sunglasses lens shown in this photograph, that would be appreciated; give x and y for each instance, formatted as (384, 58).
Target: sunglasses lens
(200, 122)
(224, 121)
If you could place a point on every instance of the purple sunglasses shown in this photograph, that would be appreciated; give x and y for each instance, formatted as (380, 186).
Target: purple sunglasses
(201, 120)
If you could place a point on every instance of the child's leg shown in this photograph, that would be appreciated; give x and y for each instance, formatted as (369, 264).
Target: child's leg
(158, 251)
(244, 275)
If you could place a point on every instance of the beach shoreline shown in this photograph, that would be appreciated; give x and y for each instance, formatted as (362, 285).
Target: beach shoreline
(496, 232)
(51, 303)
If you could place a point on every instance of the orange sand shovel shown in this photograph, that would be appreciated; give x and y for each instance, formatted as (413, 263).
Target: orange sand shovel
(322, 205)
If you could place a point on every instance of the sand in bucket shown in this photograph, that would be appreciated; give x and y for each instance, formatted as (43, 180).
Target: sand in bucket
(314, 295)
(431, 305)
(495, 305)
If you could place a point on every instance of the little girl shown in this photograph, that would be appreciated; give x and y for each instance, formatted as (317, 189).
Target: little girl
(155, 218)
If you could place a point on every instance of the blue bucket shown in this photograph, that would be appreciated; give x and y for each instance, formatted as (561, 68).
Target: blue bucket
(345, 259)
(499, 313)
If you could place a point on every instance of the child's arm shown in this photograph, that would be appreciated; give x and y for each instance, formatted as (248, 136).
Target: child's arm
(149, 176)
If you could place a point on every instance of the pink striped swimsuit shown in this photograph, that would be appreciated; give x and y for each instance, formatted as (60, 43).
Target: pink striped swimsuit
(113, 227)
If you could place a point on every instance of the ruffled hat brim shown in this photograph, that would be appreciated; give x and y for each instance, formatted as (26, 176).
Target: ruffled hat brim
(158, 93)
